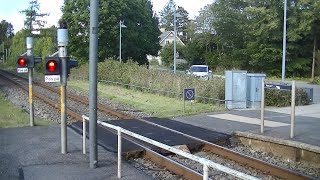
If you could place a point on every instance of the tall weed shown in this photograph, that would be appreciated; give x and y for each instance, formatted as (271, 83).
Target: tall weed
(132, 73)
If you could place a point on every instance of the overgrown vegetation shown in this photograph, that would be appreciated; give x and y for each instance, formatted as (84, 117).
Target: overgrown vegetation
(132, 73)
(152, 104)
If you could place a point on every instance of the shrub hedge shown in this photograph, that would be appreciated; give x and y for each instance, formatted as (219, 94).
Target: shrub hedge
(282, 98)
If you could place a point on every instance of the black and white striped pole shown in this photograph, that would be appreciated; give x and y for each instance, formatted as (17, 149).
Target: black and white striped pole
(62, 44)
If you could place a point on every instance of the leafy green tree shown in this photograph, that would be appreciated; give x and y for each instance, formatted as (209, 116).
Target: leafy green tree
(139, 38)
(167, 54)
(229, 27)
(6, 35)
(264, 42)
(45, 44)
(166, 15)
(182, 20)
(18, 46)
(248, 34)
(305, 29)
(204, 21)
(34, 19)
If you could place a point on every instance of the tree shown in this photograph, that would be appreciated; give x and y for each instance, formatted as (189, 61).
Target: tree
(18, 46)
(6, 31)
(182, 23)
(308, 18)
(204, 21)
(167, 54)
(166, 15)
(230, 28)
(139, 38)
(33, 21)
(6, 35)
(182, 19)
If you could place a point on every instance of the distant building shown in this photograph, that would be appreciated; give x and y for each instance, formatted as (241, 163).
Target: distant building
(166, 37)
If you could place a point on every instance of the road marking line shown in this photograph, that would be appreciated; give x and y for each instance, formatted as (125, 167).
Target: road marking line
(248, 120)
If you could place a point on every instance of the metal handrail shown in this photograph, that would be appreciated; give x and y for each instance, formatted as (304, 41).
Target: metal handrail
(205, 162)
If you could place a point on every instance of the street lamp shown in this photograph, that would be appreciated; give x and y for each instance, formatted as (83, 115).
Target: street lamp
(121, 25)
(283, 76)
(175, 15)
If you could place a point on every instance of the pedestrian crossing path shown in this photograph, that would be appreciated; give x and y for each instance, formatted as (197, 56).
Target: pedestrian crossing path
(248, 120)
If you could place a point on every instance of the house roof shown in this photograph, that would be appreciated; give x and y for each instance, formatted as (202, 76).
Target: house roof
(165, 34)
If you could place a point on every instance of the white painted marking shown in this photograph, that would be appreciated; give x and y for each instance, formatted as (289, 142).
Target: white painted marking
(248, 120)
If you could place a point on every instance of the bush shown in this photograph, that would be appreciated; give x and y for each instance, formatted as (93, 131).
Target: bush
(316, 80)
(132, 73)
(282, 98)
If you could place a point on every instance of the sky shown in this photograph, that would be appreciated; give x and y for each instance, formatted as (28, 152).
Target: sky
(9, 9)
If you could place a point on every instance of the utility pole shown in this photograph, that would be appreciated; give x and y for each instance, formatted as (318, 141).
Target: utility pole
(284, 41)
(175, 40)
(93, 59)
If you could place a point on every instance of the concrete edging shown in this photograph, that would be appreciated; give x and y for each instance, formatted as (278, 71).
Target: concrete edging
(291, 143)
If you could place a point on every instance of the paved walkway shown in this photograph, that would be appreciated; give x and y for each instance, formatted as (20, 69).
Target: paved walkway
(277, 123)
(33, 153)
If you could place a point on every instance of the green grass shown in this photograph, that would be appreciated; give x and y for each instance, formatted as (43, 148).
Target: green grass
(12, 116)
(153, 104)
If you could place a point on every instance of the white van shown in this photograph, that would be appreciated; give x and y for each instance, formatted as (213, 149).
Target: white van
(201, 71)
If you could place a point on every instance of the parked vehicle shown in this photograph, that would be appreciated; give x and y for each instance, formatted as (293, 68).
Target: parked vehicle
(201, 71)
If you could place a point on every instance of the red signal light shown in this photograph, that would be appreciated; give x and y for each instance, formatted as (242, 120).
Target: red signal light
(22, 62)
(52, 65)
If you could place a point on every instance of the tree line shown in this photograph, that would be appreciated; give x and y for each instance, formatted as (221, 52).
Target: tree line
(227, 34)
(248, 34)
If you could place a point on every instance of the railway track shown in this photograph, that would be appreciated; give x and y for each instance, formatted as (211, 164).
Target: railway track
(183, 171)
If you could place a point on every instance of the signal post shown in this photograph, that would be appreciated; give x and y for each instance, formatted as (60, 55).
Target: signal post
(25, 64)
(29, 43)
(56, 70)
(62, 43)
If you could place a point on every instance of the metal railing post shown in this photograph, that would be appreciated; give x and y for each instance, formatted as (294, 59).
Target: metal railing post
(262, 106)
(293, 104)
(119, 153)
(205, 172)
(83, 135)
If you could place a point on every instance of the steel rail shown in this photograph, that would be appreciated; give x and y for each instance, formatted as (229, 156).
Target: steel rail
(52, 103)
(76, 98)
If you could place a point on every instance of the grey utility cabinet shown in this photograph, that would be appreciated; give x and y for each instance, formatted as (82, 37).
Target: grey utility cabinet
(242, 89)
(254, 89)
(235, 89)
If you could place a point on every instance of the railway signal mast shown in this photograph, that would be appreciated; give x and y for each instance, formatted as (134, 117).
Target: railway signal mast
(63, 57)
(25, 64)
(56, 70)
